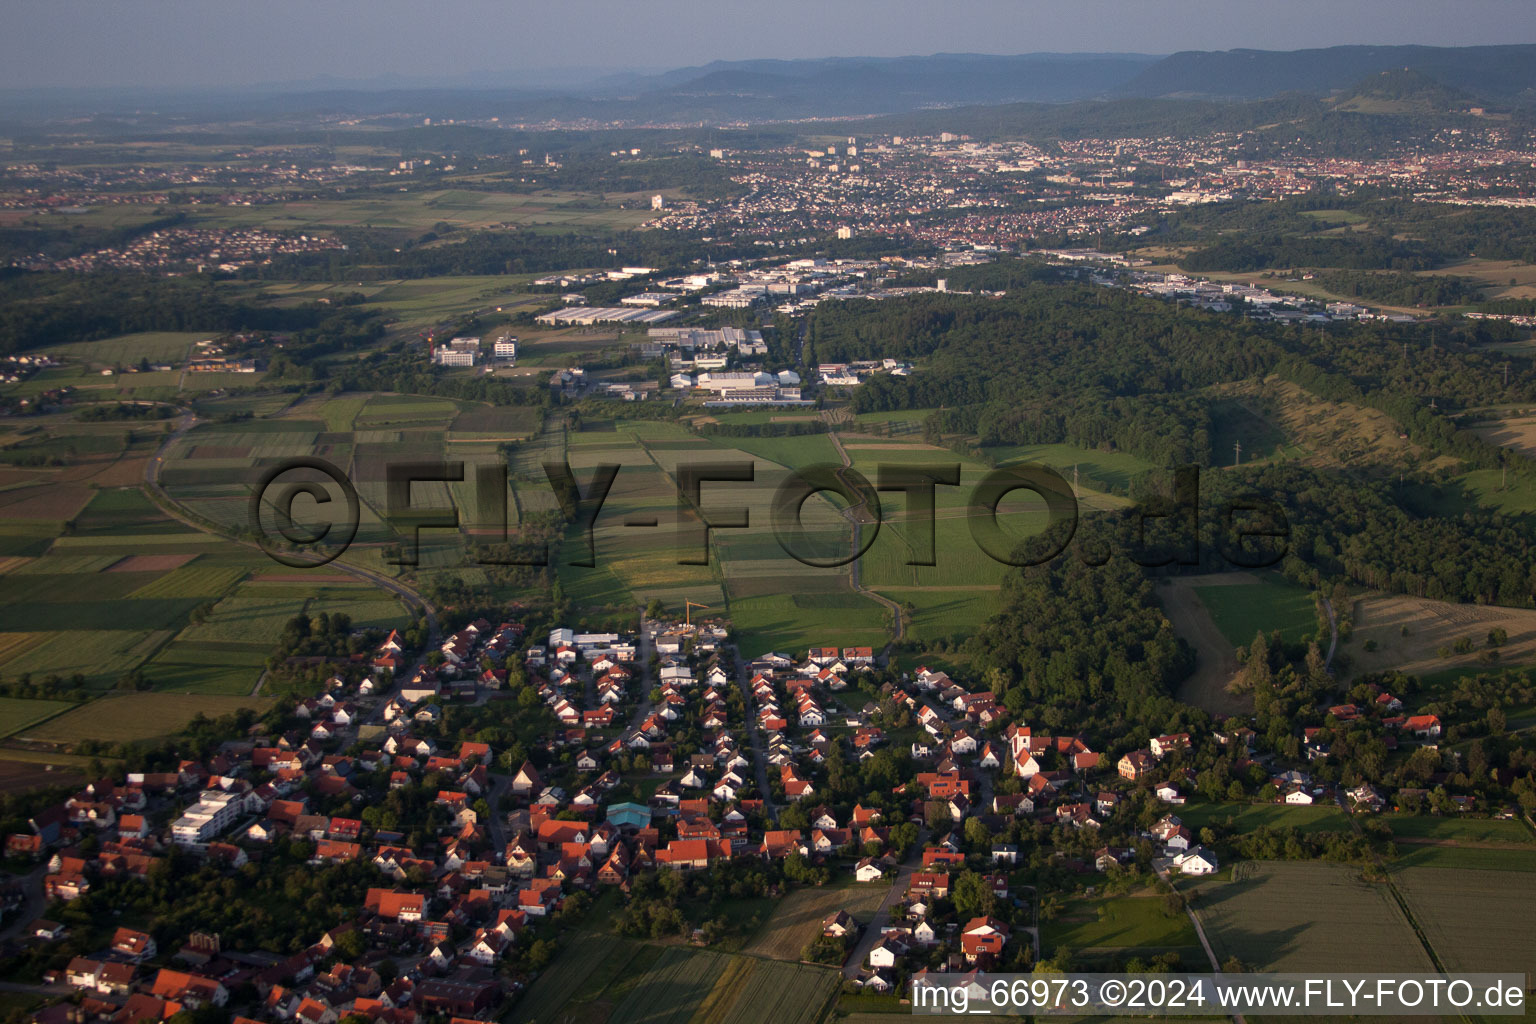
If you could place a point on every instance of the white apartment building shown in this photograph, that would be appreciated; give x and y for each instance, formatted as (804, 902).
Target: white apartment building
(213, 813)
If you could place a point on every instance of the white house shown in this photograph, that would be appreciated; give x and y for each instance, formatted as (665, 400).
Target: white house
(1198, 861)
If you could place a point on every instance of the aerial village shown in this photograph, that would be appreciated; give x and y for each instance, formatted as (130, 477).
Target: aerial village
(657, 753)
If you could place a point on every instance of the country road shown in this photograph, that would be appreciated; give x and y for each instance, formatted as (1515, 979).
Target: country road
(754, 735)
(882, 915)
(170, 507)
(852, 514)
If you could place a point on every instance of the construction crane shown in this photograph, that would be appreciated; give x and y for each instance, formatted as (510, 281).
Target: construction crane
(688, 607)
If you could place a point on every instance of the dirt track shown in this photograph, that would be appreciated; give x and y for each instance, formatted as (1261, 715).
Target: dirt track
(1215, 661)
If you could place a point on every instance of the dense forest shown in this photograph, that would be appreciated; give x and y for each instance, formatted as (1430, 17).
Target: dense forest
(1085, 647)
(1104, 368)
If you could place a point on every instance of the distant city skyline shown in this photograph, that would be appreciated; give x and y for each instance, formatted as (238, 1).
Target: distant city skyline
(184, 43)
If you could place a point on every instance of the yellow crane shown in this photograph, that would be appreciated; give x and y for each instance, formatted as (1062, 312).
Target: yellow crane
(688, 607)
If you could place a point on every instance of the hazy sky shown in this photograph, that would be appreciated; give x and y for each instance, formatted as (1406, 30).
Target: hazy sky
(210, 42)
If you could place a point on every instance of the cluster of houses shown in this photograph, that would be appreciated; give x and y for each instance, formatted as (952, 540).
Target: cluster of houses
(505, 852)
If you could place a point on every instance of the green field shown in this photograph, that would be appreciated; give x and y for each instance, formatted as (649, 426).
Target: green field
(1471, 916)
(1111, 471)
(128, 349)
(671, 990)
(17, 714)
(1459, 829)
(798, 622)
(137, 716)
(1248, 817)
(571, 980)
(1520, 858)
(1120, 923)
(1244, 610)
(101, 655)
(749, 991)
(418, 211)
(1306, 916)
(210, 668)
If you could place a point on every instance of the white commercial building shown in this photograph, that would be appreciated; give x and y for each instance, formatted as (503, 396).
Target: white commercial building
(458, 352)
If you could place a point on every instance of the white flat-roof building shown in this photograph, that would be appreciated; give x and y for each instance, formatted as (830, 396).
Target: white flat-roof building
(458, 352)
(213, 813)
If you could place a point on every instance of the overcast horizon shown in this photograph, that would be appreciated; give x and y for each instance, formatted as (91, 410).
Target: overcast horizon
(157, 44)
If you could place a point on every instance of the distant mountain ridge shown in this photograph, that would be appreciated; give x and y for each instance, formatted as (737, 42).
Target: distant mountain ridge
(1503, 74)
(763, 91)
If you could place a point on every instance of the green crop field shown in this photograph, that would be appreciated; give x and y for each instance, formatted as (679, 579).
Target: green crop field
(1513, 857)
(1471, 916)
(779, 622)
(1244, 610)
(749, 991)
(128, 349)
(577, 977)
(131, 717)
(1248, 817)
(100, 655)
(207, 668)
(1119, 923)
(1306, 916)
(16, 714)
(1465, 830)
(247, 617)
(671, 990)
(107, 615)
(42, 589)
(1096, 469)
(123, 510)
(797, 918)
(944, 614)
(193, 581)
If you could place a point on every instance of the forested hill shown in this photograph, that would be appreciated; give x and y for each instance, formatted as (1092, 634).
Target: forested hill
(1098, 367)
(763, 91)
(1500, 73)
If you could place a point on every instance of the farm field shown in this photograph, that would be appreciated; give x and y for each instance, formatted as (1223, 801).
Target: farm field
(1507, 857)
(1096, 469)
(797, 918)
(1306, 916)
(18, 773)
(569, 982)
(17, 713)
(1463, 830)
(671, 989)
(136, 716)
(1470, 916)
(1249, 817)
(942, 614)
(128, 349)
(1121, 923)
(102, 656)
(749, 991)
(796, 622)
(1241, 611)
(189, 667)
(419, 211)
(1431, 625)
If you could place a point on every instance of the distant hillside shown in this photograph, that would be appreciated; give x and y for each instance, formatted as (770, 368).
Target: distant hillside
(1404, 91)
(1504, 74)
(884, 85)
(1438, 80)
